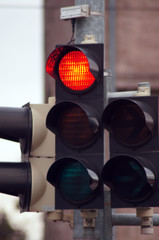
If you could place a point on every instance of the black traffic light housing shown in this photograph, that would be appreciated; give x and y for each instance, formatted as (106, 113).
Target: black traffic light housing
(16, 125)
(132, 170)
(76, 122)
(27, 179)
(133, 179)
(15, 177)
(123, 114)
(77, 183)
(93, 70)
(70, 130)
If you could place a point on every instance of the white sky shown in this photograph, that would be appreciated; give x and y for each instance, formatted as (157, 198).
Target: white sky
(21, 80)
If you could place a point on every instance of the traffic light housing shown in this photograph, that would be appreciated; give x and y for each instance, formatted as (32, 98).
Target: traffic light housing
(76, 122)
(133, 180)
(132, 170)
(27, 179)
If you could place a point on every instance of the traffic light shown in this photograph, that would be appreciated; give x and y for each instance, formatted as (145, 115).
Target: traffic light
(76, 122)
(132, 170)
(27, 179)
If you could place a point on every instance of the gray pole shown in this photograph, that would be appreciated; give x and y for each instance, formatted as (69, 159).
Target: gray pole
(112, 39)
(94, 24)
(130, 219)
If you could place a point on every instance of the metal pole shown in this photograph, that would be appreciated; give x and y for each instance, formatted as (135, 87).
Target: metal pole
(108, 229)
(123, 219)
(93, 233)
(94, 24)
(112, 39)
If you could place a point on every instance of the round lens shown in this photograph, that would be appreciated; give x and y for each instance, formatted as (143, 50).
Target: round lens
(74, 71)
(129, 123)
(74, 181)
(74, 127)
(131, 180)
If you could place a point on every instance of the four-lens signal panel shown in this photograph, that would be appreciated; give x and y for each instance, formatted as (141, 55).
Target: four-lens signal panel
(62, 143)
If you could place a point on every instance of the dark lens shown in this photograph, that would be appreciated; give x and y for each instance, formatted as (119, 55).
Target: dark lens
(74, 181)
(74, 126)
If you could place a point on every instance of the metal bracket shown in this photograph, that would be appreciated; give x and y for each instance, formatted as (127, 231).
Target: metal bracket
(89, 216)
(77, 11)
(62, 215)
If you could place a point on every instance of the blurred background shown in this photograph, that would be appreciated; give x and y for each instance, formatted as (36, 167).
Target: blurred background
(21, 81)
(29, 31)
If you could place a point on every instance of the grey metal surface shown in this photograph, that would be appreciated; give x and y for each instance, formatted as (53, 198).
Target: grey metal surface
(93, 25)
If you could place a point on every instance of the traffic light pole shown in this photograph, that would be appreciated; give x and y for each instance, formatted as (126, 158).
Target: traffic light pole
(94, 24)
(86, 29)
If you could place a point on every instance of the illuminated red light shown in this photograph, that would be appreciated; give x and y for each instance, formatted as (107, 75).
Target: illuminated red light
(51, 62)
(74, 71)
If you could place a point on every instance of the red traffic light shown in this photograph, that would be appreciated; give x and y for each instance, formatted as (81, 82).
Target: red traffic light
(131, 122)
(75, 69)
(77, 124)
(77, 73)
